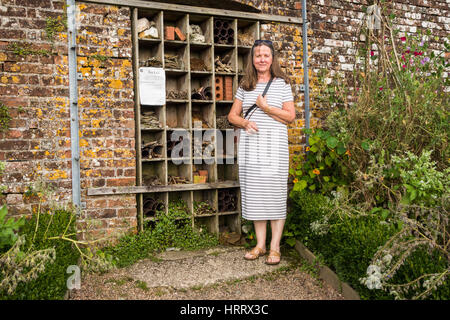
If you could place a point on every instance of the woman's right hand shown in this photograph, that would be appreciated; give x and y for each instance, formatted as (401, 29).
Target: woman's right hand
(250, 127)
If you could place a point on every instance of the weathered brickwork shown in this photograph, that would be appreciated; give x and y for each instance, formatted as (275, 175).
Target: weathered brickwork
(106, 116)
(34, 87)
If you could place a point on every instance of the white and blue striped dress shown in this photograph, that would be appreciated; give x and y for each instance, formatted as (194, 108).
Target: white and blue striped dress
(263, 157)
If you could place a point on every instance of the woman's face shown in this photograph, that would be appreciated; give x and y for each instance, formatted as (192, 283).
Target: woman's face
(262, 58)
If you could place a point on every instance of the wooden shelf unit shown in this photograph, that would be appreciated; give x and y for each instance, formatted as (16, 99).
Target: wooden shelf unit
(180, 116)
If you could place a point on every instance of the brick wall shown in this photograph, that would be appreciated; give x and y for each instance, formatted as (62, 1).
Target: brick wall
(34, 86)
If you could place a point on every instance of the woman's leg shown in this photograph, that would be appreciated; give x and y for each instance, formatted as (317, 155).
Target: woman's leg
(260, 230)
(277, 232)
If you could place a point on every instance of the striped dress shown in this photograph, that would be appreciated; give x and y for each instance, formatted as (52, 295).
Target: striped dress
(263, 157)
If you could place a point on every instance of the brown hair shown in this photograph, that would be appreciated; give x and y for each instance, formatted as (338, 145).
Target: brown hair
(250, 77)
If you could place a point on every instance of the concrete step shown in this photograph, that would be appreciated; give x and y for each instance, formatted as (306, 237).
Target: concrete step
(187, 269)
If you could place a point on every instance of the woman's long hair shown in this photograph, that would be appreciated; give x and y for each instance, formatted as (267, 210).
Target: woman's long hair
(250, 78)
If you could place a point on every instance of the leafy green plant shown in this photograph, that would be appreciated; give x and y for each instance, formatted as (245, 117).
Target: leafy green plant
(173, 229)
(35, 267)
(325, 165)
(386, 232)
(8, 229)
(307, 208)
(422, 182)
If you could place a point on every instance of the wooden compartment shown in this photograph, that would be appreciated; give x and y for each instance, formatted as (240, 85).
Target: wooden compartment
(154, 204)
(155, 20)
(152, 117)
(230, 223)
(202, 115)
(224, 31)
(176, 58)
(224, 60)
(175, 27)
(227, 200)
(205, 202)
(222, 110)
(201, 60)
(152, 145)
(210, 223)
(150, 54)
(243, 58)
(247, 33)
(178, 173)
(177, 115)
(154, 173)
(227, 172)
(205, 168)
(199, 95)
(205, 24)
(177, 87)
(204, 145)
(178, 144)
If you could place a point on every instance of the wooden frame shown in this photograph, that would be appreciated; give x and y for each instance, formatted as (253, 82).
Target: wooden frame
(199, 10)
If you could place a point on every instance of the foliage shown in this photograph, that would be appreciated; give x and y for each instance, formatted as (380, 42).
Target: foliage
(422, 182)
(8, 229)
(309, 208)
(423, 228)
(38, 260)
(22, 267)
(26, 48)
(248, 229)
(386, 228)
(173, 229)
(348, 244)
(401, 102)
(5, 118)
(325, 165)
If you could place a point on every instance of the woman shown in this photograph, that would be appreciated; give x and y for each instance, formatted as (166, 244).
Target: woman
(263, 153)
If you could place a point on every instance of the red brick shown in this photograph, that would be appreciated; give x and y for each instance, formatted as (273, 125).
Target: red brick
(219, 87)
(180, 34)
(12, 34)
(169, 33)
(34, 3)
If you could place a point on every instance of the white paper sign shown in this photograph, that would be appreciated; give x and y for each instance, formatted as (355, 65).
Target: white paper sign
(152, 86)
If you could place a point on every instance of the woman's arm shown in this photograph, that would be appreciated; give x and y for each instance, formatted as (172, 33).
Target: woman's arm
(234, 117)
(285, 115)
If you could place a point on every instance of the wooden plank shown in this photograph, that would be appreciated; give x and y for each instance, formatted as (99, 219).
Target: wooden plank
(199, 10)
(171, 188)
(137, 110)
(327, 274)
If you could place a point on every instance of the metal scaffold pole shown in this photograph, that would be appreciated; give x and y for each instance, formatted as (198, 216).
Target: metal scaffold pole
(73, 100)
(305, 66)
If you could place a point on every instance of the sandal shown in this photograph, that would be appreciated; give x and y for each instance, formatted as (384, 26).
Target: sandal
(273, 254)
(255, 253)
